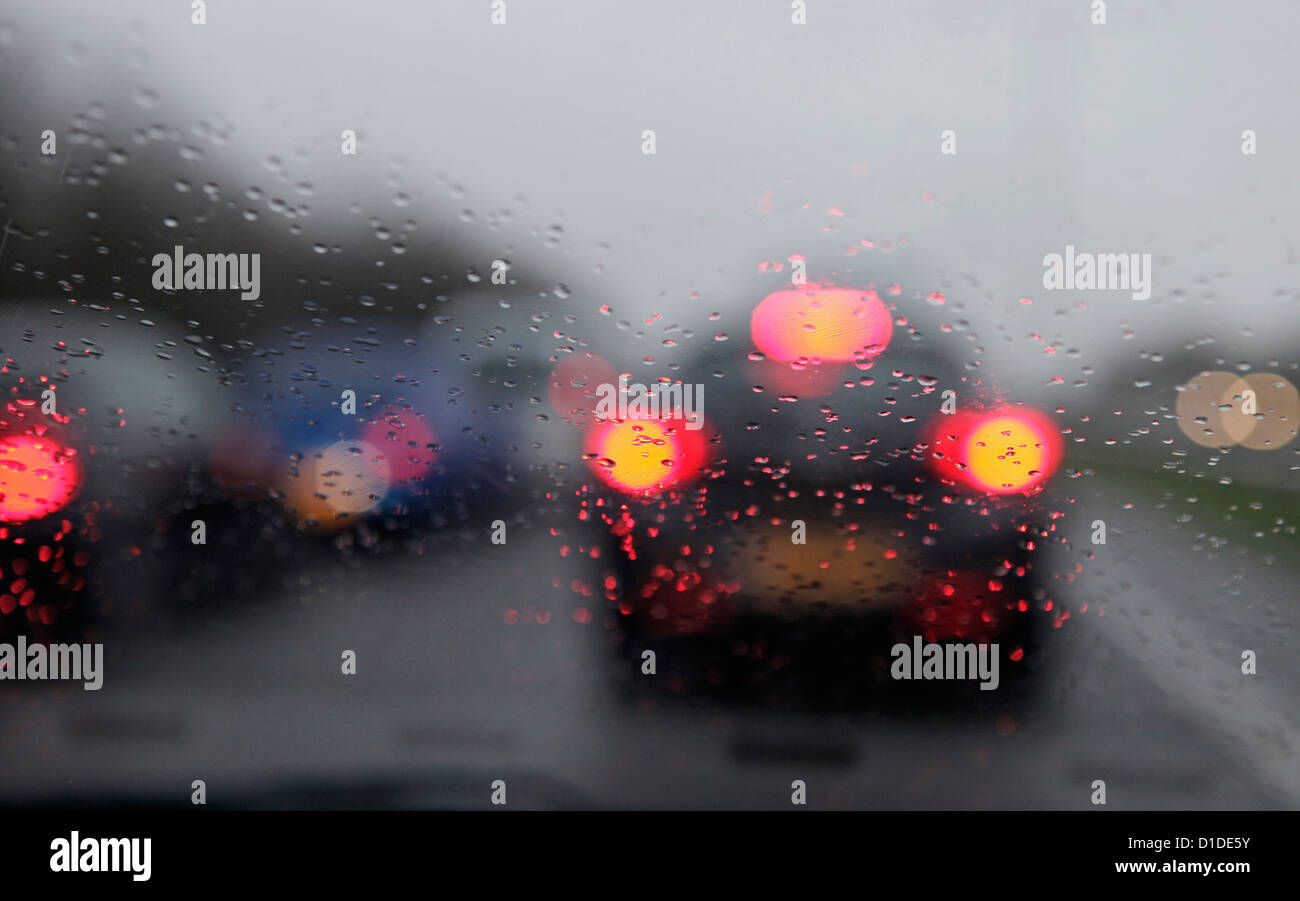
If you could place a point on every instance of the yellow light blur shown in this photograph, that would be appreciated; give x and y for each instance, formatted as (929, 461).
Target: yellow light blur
(1007, 454)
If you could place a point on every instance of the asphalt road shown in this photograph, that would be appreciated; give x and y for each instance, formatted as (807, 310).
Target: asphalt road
(1143, 690)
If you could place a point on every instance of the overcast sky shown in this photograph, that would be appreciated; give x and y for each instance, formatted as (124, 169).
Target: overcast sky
(1123, 137)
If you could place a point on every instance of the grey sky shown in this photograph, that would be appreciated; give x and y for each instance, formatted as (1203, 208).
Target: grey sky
(1119, 137)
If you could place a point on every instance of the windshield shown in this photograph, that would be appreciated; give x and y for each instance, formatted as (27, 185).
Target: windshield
(390, 413)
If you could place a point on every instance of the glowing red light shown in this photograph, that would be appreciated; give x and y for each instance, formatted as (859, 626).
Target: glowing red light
(406, 441)
(37, 477)
(1000, 451)
(834, 325)
(646, 456)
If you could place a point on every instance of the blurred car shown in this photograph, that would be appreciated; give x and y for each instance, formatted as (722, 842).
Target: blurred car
(371, 435)
(99, 428)
(853, 486)
(327, 440)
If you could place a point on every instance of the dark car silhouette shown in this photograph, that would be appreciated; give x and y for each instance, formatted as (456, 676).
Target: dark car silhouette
(830, 509)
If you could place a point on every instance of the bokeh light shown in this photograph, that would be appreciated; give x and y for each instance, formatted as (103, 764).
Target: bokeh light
(821, 323)
(999, 451)
(352, 476)
(646, 456)
(1277, 412)
(37, 477)
(1259, 411)
(1200, 408)
(333, 487)
(406, 441)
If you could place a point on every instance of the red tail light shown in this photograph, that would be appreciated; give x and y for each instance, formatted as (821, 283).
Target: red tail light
(1000, 451)
(38, 476)
(646, 456)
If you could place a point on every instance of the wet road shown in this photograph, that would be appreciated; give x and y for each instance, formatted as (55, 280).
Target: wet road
(1143, 690)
